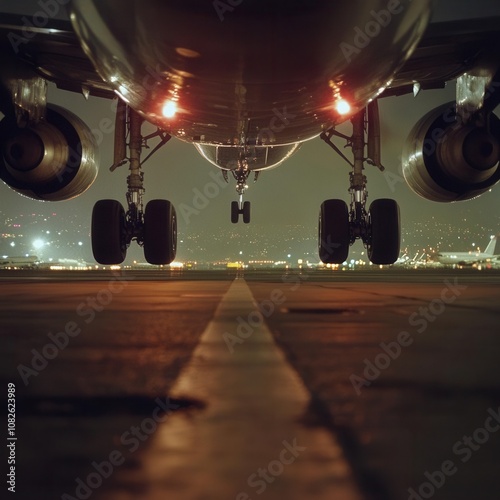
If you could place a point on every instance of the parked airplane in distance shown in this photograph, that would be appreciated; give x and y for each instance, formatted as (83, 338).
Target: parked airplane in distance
(469, 258)
(27, 262)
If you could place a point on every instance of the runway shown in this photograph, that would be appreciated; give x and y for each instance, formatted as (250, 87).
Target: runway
(278, 385)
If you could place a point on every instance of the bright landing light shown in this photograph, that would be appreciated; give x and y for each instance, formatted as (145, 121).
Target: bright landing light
(169, 109)
(342, 107)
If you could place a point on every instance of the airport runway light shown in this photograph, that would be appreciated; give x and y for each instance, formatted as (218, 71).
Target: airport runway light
(37, 244)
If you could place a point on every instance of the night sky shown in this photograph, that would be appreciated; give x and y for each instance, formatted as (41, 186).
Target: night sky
(289, 194)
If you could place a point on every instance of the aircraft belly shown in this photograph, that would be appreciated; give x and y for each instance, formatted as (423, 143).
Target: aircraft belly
(268, 71)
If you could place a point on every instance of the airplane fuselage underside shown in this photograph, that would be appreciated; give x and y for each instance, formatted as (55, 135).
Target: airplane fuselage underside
(259, 72)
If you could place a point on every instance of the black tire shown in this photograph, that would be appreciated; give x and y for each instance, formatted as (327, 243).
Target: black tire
(385, 232)
(246, 212)
(235, 212)
(334, 232)
(108, 232)
(160, 232)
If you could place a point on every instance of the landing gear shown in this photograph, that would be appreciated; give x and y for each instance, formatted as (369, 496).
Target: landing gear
(113, 228)
(340, 226)
(109, 244)
(384, 242)
(160, 232)
(334, 232)
(240, 207)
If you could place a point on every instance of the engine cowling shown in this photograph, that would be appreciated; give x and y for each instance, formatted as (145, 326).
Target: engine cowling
(55, 160)
(445, 160)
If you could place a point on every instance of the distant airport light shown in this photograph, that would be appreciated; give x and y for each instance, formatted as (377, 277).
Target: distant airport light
(169, 109)
(342, 107)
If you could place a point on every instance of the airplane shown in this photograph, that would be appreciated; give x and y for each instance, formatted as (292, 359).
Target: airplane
(247, 82)
(26, 262)
(468, 258)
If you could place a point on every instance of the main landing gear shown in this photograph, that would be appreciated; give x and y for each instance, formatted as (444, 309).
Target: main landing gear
(113, 228)
(341, 225)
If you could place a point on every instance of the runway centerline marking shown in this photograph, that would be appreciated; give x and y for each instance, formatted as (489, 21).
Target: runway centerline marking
(249, 439)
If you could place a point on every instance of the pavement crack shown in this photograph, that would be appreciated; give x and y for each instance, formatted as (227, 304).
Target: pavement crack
(96, 406)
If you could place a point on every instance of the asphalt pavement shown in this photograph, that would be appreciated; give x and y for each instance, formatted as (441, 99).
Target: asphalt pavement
(275, 385)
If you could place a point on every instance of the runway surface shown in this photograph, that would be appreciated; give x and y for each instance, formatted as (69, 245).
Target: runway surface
(273, 385)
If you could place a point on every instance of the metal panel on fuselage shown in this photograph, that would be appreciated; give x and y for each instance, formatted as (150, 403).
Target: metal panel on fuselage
(274, 66)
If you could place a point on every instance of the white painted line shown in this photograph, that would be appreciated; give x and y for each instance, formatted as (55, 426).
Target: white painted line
(248, 443)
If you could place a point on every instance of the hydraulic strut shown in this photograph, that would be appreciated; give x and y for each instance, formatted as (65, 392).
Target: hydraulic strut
(135, 181)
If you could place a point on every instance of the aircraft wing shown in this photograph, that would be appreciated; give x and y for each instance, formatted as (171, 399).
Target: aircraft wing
(447, 50)
(53, 51)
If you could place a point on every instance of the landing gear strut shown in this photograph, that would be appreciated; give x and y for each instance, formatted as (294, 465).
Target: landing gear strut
(339, 225)
(155, 227)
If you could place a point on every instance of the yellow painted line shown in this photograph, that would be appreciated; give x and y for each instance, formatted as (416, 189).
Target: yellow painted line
(248, 442)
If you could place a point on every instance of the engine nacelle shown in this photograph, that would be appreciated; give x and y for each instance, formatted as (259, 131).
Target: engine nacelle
(445, 160)
(54, 160)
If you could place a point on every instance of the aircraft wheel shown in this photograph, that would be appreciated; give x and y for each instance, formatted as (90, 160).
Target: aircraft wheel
(246, 212)
(235, 212)
(385, 231)
(160, 232)
(108, 232)
(334, 232)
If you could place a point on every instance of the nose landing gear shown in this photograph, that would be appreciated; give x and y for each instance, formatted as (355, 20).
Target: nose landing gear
(240, 207)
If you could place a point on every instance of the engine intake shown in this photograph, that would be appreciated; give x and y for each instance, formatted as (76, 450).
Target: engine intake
(445, 160)
(54, 160)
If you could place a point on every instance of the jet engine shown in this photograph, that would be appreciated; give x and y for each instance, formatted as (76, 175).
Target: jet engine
(447, 160)
(53, 160)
